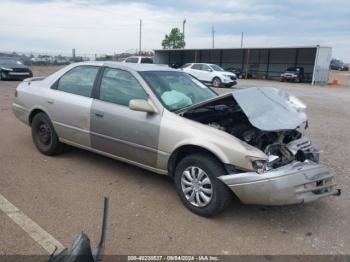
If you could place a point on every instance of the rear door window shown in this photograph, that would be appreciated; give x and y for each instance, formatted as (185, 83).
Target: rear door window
(80, 80)
(146, 60)
(132, 60)
(185, 65)
(196, 66)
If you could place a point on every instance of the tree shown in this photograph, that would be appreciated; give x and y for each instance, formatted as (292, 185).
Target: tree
(174, 40)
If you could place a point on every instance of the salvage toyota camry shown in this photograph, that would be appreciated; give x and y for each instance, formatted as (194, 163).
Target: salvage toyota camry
(248, 143)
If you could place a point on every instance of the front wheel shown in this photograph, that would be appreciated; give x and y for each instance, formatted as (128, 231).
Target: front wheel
(197, 184)
(44, 135)
(216, 82)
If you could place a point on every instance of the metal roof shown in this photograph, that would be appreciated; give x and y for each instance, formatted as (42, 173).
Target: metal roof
(238, 48)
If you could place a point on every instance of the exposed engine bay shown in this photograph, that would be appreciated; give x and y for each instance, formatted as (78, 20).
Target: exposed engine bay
(281, 146)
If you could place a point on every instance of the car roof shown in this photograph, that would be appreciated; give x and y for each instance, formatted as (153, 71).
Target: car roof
(137, 56)
(131, 66)
(203, 64)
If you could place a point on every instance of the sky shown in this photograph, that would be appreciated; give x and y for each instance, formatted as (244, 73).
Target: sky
(107, 27)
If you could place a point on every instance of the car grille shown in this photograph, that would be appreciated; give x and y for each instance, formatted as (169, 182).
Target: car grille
(20, 70)
(233, 78)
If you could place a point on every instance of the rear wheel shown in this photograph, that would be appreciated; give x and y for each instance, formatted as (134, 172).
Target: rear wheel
(44, 135)
(216, 82)
(199, 188)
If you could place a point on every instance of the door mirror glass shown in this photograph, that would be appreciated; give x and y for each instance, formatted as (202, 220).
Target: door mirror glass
(141, 105)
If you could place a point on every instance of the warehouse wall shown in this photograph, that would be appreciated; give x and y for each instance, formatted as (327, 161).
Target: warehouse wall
(267, 63)
(323, 59)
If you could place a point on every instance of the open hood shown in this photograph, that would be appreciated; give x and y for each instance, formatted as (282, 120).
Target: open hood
(266, 108)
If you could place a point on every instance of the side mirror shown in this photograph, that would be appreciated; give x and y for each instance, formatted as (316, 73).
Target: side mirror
(141, 105)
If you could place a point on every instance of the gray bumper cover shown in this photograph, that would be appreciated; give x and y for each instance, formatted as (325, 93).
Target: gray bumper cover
(291, 184)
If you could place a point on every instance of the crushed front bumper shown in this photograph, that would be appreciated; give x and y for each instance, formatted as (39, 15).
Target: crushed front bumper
(298, 182)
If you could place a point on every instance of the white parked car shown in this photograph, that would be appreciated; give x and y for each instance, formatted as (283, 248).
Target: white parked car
(211, 73)
(139, 60)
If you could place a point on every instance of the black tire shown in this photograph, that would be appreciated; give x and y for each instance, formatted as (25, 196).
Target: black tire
(44, 136)
(221, 195)
(216, 82)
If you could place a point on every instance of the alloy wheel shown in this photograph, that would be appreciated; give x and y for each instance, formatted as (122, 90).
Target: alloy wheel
(196, 186)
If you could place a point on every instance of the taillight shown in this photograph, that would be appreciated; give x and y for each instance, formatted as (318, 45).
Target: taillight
(16, 93)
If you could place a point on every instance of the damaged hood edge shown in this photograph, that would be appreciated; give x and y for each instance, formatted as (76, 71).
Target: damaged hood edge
(267, 108)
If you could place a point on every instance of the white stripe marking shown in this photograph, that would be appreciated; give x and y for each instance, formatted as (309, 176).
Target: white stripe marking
(43, 238)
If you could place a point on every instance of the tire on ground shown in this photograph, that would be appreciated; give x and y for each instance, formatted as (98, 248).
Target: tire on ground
(221, 196)
(218, 81)
(53, 146)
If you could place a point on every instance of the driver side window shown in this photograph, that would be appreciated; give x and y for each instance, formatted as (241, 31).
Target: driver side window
(119, 87)
(205, 67)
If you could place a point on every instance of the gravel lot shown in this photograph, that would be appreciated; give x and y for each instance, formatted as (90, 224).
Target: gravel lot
(64, 194)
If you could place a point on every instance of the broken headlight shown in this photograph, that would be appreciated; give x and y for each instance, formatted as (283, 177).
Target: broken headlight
(258, 165)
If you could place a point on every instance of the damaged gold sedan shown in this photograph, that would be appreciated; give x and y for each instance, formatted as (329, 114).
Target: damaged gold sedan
(248, 143)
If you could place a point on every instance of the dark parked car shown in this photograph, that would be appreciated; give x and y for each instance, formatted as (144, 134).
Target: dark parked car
(11, 69)
(293, 74)
(239, 73)
(338, 65)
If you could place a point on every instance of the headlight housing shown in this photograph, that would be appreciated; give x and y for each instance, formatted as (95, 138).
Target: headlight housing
(6, 69)
(259, 165)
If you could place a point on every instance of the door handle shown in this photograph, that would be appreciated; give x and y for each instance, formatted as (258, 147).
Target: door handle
(50, 102)
(99, 114)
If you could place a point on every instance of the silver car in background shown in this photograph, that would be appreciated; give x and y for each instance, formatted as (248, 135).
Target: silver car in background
(248, 143)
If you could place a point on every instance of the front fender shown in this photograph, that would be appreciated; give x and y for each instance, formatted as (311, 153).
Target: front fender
(177, 131)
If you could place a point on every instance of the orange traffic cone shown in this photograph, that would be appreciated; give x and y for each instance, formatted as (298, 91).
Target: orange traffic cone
(334, 82)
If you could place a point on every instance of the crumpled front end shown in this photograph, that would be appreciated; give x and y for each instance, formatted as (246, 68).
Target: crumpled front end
(297, 182)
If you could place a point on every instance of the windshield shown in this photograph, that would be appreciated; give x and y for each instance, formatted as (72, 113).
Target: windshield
(293, 69)
(9, 62)
(216, 68)
(177, 90)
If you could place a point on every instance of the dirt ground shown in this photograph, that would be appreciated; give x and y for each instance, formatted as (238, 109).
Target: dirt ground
(64, 194)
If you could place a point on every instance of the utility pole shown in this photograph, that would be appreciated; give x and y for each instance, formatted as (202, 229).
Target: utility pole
(242, 39)
(140, 36)
(213, 36)
(183, 29)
